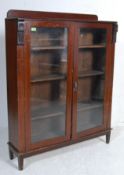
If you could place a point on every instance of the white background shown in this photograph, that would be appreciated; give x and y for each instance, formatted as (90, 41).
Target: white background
(105, 9)
(81, 158)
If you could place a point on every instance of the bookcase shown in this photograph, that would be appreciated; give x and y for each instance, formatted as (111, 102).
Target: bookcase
(59, 80)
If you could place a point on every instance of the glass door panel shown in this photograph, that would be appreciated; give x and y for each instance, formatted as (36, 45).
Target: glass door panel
(48, 68)
(91, 77)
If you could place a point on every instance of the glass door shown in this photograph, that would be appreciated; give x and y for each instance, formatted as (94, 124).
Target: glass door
(49, 77)
(90, 78)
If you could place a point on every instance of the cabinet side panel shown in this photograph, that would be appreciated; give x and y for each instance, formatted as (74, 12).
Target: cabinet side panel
(11, 60)
(110, 75)
(111, 67)
(114, 33)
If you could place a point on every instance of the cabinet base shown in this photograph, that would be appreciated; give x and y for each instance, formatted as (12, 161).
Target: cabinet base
(13, 151)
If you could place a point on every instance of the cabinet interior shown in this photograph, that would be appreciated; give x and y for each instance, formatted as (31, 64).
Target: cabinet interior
(49, 59)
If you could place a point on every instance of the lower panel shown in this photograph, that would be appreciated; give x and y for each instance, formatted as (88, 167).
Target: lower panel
(55, 146)
(51, 127)
(89, 115)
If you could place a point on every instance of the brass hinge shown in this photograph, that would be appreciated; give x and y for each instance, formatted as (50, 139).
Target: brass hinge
(114, 31)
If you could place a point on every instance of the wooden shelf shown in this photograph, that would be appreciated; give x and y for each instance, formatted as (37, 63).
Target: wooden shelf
(53, 133)
(63, 77)
(50, 39)
(53, 110)
(52, 116)
(64, 47)
(49, 115)
(90, 73)
(47, 48)
(90, 115)
(92, 46)
(57, 110)
(82, 106)
(48, 78)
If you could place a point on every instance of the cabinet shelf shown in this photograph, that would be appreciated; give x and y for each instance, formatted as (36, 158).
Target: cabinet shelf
(45, 116)
(48, 78)
(83, 106)
(90, 73)
(88, 125)
(63, 77)
(92, 46)
(35, 49)
(56, 110)
(50, 39)
(91, 114)
(53, 110)
(47, 134)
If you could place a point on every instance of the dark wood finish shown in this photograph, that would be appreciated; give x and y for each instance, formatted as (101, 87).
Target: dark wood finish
(11, 154)
(53, 15)
(12, 77)
(52, 147)
(108, 80)
(15, 88)
(19, 79)
(27, 84)
(20, 162)
(108, 134)
(114, 31)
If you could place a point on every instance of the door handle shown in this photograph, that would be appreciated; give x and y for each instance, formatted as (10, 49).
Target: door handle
(75, 86)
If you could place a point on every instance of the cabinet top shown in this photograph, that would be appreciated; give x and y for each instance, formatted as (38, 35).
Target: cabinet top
(45, 15)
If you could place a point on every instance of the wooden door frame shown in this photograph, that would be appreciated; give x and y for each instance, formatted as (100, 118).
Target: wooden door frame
(57, 140)
(108, 80)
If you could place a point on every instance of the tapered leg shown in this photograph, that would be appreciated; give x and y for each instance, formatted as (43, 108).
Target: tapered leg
(108, 137)
(11, 155)
(20, 162)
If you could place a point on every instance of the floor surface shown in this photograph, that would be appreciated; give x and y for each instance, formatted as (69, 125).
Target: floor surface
(92, 157)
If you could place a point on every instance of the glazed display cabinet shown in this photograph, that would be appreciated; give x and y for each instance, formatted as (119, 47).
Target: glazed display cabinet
(59, 80)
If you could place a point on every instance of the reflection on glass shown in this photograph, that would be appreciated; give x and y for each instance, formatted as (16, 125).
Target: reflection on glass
(48, 82)
(91, 61)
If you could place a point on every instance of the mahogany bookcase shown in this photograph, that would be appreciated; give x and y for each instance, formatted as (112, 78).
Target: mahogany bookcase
(59, 79)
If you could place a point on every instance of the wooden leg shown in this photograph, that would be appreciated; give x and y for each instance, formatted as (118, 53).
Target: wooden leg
(20, 162)
(108, 137)
(11, 155)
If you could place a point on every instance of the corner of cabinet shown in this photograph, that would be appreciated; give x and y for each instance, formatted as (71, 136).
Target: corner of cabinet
(114, 32)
